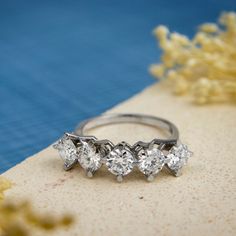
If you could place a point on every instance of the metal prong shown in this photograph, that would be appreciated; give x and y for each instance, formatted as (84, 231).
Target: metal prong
(68, 134)
(125, 144)
(55, 145)
(177, 173)
(67, 166)
(89, 174)
(190, 153)
(167, 160)
(150, 178)
(151, 144)
(161, 146)
(72, 136)
(119, 178)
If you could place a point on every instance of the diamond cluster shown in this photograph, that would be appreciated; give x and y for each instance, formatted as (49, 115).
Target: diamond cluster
(121, 159)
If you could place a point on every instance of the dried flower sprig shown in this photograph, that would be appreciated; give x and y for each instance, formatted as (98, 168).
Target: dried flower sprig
(18, 219)
(204, 66)
(4, 185)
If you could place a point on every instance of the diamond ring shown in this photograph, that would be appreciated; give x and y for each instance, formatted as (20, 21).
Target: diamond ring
(120, 159)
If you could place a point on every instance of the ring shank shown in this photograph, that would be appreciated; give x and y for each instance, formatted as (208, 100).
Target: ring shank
(108, 119)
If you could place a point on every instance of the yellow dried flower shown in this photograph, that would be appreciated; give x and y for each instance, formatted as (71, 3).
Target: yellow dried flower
(18, 219)
(209, 28)
(205, 66)
(158, 70)
(161, 31)
(4, 185)
(67, 220)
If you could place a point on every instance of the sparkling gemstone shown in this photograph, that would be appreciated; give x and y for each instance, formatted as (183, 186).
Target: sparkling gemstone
(178, 157)
(120, 161)
(89, 159)
(67, 150)
(150, 161)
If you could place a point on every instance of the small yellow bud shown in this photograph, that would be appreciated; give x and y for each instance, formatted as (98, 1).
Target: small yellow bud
(204, 83)
(216, 88)
(228, 18)
(201, 100)
(161, 32)
(191, 62)
(180, 39)
(4, 185)
(181, 86)
(67, 220)
(47, 223)
(171, 74)
(200, 38)
(157, 70)
(209, 28)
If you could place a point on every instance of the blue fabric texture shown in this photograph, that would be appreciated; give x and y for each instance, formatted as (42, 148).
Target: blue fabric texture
(64, 61)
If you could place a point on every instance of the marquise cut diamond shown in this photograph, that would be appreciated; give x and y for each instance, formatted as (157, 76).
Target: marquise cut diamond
(150, 161)
(89, 159)
(178, 157)
(120, 161)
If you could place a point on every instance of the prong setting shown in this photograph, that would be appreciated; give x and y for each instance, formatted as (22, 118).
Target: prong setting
(67, 151)
(177, 158)
(150, 178)
(150, 161)
(120, 161)
(148, 157)
(89, 174)
(89, 157)
(119, 178)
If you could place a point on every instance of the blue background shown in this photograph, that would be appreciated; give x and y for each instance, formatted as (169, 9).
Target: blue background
(64, 61)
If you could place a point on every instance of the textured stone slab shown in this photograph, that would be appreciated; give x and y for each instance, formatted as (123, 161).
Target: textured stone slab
(200, 202)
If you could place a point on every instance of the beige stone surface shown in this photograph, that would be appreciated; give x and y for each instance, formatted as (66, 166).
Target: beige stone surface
(200, 202)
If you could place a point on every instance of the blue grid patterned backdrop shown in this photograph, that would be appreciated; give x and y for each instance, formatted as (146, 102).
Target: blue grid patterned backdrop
(64, 61)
